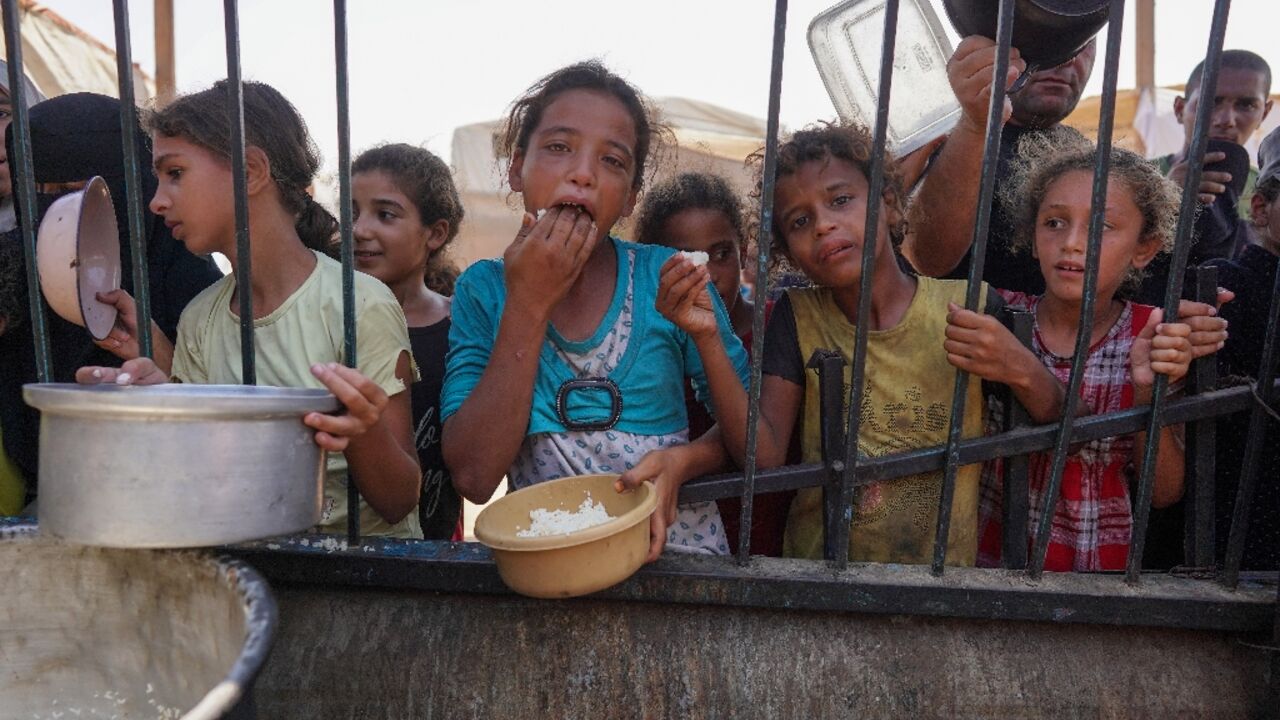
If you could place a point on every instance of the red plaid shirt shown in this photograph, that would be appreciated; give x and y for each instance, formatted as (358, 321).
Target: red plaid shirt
(1093, 520)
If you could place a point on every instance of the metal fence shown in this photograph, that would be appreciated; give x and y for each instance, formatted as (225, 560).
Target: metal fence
(842, 469)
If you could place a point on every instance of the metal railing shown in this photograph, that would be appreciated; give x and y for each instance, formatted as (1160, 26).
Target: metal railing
(843, 468)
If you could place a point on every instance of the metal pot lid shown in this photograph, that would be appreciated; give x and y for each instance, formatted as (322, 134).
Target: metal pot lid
(178, 400)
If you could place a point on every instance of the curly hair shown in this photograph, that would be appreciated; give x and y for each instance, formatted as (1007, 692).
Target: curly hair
(1046, 157)
(823, 142)
(688, 191)
(525, 113)
(272, 124)
(427, 181)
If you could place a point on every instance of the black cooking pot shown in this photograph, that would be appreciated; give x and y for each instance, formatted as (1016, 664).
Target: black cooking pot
(1046, 32)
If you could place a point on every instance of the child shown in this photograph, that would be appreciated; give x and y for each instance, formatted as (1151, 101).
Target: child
(407, 211)
(297, 298)
(700, 212)
(558, 364)
(1129, 344)
(1252, 277)
(820, 205)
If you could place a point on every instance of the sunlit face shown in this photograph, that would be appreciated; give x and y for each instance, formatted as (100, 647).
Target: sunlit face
(1051, 94)
(1239, 107)
(194, 195)
(709, 231)
(1062, 236)
(581, 153)
(821, 210)
(392, 244)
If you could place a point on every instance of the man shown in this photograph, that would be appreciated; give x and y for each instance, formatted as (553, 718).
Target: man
(1241, 102)
(943, 213)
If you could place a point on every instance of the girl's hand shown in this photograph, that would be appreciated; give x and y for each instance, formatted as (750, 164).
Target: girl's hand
(363, 400)
(138, 371)
(547, 256)
(1208, 331)
(980, 345)
(1163, 348)
(122, 341)
(684, 297)
(667, 471)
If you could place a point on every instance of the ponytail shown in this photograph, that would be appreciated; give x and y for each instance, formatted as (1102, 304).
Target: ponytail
(317, 227)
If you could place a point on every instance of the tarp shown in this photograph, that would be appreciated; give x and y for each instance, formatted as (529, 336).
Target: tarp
(708, 138)
(61, 58)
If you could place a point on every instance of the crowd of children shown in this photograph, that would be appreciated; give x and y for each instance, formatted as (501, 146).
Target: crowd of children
(580, 352)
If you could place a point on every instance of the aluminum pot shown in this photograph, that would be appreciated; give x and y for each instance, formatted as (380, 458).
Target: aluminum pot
(177, 465)
(100, 633)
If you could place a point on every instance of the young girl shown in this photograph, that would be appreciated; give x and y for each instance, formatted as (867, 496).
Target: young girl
(297, 298)
(558, 364)
(407, 211)
(700, 212)
(820, 205)
(1128, 346)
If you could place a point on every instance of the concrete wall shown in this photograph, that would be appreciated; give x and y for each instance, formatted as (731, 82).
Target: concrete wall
(369, 653)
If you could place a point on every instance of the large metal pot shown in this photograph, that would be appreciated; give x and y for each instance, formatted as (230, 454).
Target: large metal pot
(102, 633)
(177, 465)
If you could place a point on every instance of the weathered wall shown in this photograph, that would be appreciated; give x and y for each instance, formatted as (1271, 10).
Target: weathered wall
(353, 653)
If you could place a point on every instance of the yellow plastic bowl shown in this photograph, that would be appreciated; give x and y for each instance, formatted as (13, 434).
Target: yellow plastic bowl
(576, 563)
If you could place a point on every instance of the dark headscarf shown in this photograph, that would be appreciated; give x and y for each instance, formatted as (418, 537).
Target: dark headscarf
(73, 138)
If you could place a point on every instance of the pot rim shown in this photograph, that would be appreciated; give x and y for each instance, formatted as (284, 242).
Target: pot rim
(178, 400)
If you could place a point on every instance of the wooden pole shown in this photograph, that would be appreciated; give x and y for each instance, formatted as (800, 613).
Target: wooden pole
(1146, 45)
(166, 71)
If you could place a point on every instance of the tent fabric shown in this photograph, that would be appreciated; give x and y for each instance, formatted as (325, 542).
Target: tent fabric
(61, 58)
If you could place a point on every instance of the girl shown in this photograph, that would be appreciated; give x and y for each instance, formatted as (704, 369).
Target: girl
(558, 364)
(407, 211)
(1128, 345)
(297, 298)
(700, 212)
(820, 205)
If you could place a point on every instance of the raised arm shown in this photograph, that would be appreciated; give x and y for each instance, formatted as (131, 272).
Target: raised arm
(942, 213)
(482, 438)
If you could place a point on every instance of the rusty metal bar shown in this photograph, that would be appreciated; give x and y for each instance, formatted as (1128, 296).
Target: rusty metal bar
(1173, 291)
(1097, 216)
(973, 292)
(770, 172)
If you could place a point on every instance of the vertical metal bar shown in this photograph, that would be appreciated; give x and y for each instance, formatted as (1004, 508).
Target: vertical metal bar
(1264, 403)
(762, 277)
(874, 192)
(23, 182)
(235, 103)
(1173, 291)
(1097, 215)
(132, 176)
(830, 367)
(1202, 437)
(1015, 503)
(345, 222)
(990, 161)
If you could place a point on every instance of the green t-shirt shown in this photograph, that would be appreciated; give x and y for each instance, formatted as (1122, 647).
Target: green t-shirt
(305, 329)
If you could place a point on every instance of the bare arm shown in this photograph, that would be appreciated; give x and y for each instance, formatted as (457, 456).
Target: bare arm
(482, 438)
(375, 435)
(1165, 348)
(942, 214)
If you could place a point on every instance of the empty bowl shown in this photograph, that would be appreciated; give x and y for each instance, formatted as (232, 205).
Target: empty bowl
(78, 254)
(573, 563)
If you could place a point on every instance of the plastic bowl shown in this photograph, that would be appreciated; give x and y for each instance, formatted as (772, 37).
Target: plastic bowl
(576, 563)
(78, 254)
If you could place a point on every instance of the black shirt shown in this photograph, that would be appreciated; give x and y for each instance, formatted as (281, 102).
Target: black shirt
(439, 506)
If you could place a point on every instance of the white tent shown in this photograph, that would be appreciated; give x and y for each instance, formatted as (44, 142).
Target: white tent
(708, 139)
(61, 58)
